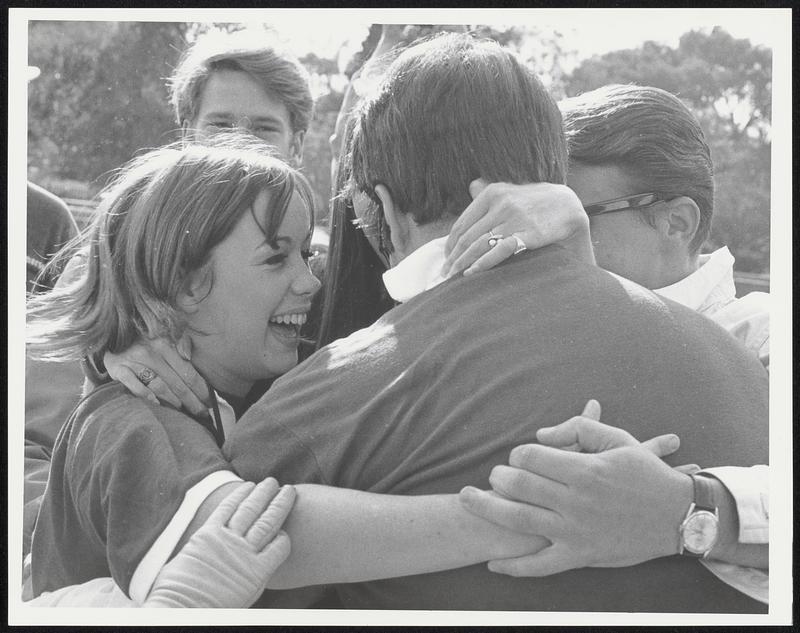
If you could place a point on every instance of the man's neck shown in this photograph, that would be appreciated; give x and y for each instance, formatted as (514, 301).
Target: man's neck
(418, 236)
(679, 271)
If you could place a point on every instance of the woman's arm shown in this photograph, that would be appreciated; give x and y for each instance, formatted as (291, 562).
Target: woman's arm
(341, 535)
(336, 535)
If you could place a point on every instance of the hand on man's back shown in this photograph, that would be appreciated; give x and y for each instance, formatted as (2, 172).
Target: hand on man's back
(601, 498)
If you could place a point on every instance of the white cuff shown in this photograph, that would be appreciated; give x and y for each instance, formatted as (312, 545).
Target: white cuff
(750, 490)
(158, 554)
(100, 592)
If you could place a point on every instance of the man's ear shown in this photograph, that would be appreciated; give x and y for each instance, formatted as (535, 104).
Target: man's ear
(296, 148)
(680, 220)
(396, 219)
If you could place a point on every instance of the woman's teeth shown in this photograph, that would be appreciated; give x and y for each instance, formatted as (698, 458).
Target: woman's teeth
(290, 319)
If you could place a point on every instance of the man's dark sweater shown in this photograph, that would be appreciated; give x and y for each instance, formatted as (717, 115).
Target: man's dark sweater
(441, 388)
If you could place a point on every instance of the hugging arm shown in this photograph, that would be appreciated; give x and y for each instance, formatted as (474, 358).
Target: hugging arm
(340, 535)
(241, 544)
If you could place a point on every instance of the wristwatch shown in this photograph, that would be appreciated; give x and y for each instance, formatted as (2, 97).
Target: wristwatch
(700, 528)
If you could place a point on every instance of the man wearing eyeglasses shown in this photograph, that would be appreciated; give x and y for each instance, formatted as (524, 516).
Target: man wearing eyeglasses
(641, 181)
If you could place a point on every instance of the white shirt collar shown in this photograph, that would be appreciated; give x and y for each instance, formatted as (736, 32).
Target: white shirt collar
(418, 272)
(709, 287)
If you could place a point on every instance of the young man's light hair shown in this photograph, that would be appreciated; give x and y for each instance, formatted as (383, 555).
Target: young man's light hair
(276, 70)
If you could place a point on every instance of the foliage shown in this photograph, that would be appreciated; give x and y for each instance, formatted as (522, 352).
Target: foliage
(101, 97)
(728, 83)
(95, 103)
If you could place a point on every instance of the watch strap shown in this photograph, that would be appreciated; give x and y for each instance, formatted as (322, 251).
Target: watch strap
(703, 494)
(703, 502)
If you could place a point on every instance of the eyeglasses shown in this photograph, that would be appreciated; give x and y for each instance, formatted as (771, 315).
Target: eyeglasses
(639, 201)
(370, 229)
(376, 231)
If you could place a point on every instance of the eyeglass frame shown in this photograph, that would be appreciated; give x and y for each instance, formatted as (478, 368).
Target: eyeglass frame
(375, 229)
(625, 203)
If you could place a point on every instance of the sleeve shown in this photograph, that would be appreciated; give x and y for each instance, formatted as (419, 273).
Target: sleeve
(751, 582)
(750, 490)
(51, 392)
(131, 474)
(99, 592)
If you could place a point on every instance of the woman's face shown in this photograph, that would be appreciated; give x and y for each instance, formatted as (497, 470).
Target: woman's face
(247, 327)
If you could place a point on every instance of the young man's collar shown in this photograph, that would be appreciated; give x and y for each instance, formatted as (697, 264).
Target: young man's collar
(714, 277)
(417, 272)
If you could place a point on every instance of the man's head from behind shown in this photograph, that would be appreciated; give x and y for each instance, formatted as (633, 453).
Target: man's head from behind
(450, 110)
(237, 80)
(629, 140)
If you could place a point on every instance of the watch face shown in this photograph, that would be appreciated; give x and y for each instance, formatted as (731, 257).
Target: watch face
(700, 532)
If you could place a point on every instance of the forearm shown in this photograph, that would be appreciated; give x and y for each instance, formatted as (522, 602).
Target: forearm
(341, 536)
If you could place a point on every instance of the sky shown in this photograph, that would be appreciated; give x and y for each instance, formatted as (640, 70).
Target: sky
(589, 31)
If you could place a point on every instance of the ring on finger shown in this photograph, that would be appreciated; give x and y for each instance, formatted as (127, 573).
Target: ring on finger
(520, 244)
(494, 239)
(146, 376)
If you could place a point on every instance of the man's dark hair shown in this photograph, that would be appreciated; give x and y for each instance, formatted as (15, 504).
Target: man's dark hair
(650, 135)
(450, 110)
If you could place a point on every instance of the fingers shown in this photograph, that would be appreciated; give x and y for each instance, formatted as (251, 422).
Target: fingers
(162, 391)
(688, 469)
(592, 410)
(663, 445)
(168, 386)
(469, 216)
(275, 552)
(132, 383)
(476, 233)
(550, 560)
(224, 511)
(516, 516)
(523, 485)
(184, 347)
(554, 463)
(251, 508)
(491, 258)
(476, 186)
(268, 524)
(592, 436)
(180, 375)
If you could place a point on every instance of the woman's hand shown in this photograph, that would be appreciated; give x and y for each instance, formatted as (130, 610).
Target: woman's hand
(538, 214)
(616, 504)
(176, 382)
(228, 561)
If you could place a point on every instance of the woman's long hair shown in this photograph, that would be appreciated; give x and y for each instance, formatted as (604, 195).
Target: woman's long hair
(157, 223)
(353, 294)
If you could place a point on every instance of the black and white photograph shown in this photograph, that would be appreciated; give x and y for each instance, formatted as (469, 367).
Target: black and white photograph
(399, 316)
